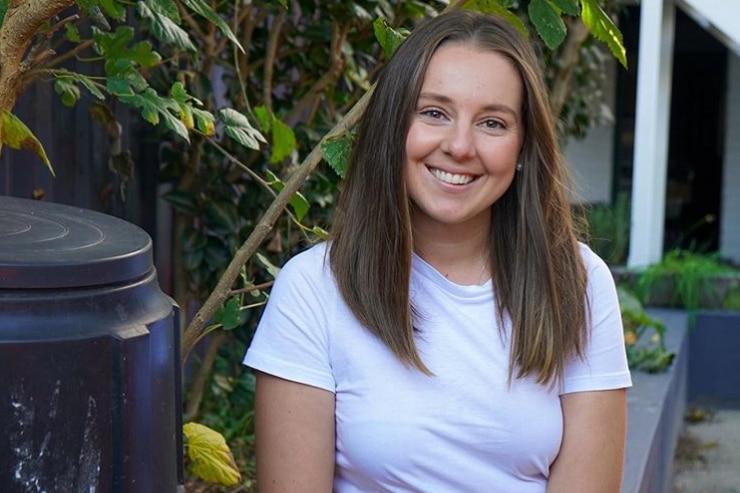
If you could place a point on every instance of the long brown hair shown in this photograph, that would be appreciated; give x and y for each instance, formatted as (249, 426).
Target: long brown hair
(538, 274)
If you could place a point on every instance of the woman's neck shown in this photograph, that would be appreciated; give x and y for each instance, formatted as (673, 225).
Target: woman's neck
(461, 254)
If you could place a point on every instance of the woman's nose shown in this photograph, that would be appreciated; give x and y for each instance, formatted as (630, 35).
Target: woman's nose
(459, 142)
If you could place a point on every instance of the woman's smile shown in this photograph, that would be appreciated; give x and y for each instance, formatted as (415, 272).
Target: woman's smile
(451, 178)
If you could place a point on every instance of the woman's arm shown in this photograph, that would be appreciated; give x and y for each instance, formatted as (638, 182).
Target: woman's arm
(294, 426)
(591, 457)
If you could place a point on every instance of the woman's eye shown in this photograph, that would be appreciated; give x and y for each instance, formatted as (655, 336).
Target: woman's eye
(494, 124)
(432, 113)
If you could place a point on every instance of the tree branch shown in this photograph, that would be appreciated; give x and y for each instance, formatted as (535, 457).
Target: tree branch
(196, 329)
(577, 34)
(339, 36)
(22, 20)
(272, 47)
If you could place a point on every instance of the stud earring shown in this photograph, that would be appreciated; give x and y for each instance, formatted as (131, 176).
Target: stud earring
(519, 166)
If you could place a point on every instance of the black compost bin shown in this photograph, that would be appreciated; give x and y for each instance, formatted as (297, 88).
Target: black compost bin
(89, 356)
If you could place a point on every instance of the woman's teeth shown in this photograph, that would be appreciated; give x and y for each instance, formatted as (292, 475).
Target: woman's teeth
(451, 178)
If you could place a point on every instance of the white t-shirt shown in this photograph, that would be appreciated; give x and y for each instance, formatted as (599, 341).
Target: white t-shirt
(465, 429)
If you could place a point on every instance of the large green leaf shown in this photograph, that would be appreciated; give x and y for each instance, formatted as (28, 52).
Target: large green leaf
(115, 46)
(167, 8)
(203, 9)
(547, 21)
(153, 106)
(390, 39)
(237, 126)
(165, 29)
(337, 153)
(602, 27)
(283, 141)
(283, 137)
(16, 135)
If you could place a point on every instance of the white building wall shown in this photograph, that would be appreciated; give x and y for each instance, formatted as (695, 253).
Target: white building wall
(592, 158)
(730, 214)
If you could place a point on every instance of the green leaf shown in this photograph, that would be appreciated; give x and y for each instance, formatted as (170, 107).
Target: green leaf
(602, 27)
(113, 9)
(153, 106)
(204, 121)
(182, 201)
(264, 118)
(125, 83)
(570, 7)
(72, 33)
(237, 126)
(193, 239)
(230, 315)
(65, 79)
(167, 8)
(389, 38)
(499, 9)
(223, 214)
(165, 29)
(115, 48)
(68, 91)
(204, 10)
(337, 153)
(300, 205)
(3, 9)
(297, 201)
(184, 104)
(192, 260)
(283, 141)
(547, 21)
(16, 135)
(283, 137)
(210, 457)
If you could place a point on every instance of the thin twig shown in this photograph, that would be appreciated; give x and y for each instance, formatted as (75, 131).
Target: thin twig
(256, 287)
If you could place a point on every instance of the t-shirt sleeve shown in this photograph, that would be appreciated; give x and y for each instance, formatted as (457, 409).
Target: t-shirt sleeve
(604, 366)
(291, 340)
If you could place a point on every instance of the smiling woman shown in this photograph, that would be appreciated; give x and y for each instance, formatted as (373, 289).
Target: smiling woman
(453, 335)
(461, 149)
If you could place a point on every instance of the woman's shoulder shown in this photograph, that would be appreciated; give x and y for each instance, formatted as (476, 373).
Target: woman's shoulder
(312, 260)
(590, 258)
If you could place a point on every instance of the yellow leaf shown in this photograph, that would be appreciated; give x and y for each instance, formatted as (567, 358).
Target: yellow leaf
(210, 128)
(186, 117)
(16, 135)
(210, 456)
(630, 338)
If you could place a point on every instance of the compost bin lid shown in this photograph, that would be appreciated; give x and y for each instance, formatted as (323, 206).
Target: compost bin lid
(48, 245)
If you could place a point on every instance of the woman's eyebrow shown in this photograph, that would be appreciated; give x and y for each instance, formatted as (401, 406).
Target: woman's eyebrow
(442, 99)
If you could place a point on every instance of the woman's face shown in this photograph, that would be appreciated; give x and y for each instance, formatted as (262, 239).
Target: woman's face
(465, 136)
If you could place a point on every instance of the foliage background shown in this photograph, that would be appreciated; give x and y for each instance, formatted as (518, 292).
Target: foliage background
(238, 95)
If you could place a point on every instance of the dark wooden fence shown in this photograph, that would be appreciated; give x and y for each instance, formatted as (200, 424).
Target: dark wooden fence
(79, 149)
